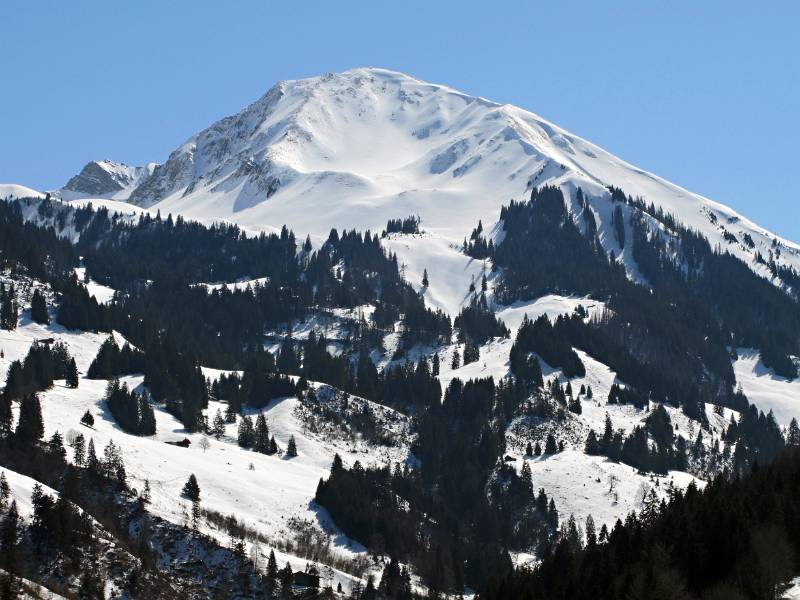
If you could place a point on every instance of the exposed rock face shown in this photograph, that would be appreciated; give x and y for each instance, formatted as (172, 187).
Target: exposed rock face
(105, 179)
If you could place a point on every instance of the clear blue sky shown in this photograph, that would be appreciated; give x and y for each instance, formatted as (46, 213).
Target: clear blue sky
(706, 94)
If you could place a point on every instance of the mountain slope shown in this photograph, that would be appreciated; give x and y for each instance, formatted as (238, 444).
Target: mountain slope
(105, 179)
(357, 148)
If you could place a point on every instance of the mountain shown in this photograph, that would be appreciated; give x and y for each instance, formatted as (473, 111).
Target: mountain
(358, 148)
(496, 337)
(105, 179)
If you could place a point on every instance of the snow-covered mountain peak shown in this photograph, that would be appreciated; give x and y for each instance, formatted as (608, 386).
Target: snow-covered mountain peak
(105, 179)
(357, 148)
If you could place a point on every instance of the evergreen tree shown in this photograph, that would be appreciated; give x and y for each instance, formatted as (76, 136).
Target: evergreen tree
(15, 381)
(6, 415)
(527, 478)
(10, 529)
(472, 352)
(291, 448)
(456, 362)
(435, 366)
(425, 278)
(39, 308)
(537, 449)
(793, 434)
(218, 425)
(5, 491)
(618, 222)
(261, 436)
(8, 307)
(147, 417)
(146, 492)
(30, 426)
(92, 463)
(79, 450)
(191, 489)
(246, 436)
(55, 446)
(550, 445)
(272, 566)
(529, 450)
(592, 445)
(72, 374)
(87, 419)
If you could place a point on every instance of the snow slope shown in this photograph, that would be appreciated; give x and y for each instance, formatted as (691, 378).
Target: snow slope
(765, 389)
(9, 191)
(21, 487)
(271, 494)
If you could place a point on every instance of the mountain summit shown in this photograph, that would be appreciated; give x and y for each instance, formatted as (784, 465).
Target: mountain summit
(357, 148)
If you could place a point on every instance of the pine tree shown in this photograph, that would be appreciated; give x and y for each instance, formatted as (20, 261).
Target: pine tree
(435, 366)
(146, 492)
(425, 278)
(147, 416)
(9, 539)
(608, 434)
(72, 374)
(618, 222)
(537, 449)
(793, 434)
(39, 308)
(456, 362)
(291, 448)
(92, 463)
(5, 491)
(87, 419)
(15, 381)
(191, 489)
(218, 425)
(55, 446)
(6, 415)
(591, 534)
(552, 515)
(472, 352)
(30, 426)
(261, 436)
(529, 450)
(272, 565)
(195, 513)
(592, 445)
(527, 478)
(246, 432)
(8, 308)
(550, 444)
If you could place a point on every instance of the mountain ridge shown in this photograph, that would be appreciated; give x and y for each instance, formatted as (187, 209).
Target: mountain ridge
(357, 148)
